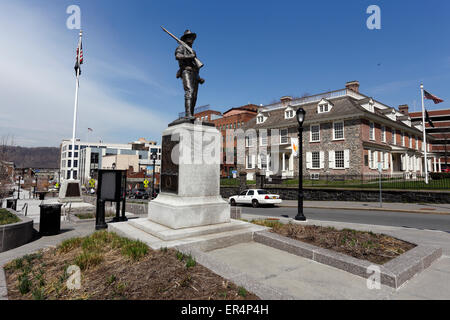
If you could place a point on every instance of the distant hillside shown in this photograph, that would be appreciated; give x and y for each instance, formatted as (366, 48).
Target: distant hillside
(41, 157)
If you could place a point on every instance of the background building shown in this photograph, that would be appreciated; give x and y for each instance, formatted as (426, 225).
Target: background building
(231, 119)
(89, 157)
(345, 133)
(441, 132)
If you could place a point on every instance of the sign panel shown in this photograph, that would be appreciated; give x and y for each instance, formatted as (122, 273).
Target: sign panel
(169, 170)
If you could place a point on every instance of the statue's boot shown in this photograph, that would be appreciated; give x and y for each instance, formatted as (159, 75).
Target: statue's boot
(188, 108)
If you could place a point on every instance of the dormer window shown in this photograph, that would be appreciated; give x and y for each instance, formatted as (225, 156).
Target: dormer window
(324, 106)
(289, 113)
(260, 118)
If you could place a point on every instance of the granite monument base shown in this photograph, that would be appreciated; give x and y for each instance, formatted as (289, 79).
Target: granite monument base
(70, 191)
(190, 178)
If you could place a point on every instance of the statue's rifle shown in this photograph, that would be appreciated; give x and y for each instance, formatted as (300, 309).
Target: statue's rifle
(197, 62)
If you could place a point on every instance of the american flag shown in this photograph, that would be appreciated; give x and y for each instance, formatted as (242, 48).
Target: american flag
(430, 96)
(79, 58)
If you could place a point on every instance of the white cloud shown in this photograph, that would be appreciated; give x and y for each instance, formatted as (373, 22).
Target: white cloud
(37, 88)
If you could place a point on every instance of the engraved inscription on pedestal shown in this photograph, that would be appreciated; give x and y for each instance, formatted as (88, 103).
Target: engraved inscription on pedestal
(169, 169)
(73, 190)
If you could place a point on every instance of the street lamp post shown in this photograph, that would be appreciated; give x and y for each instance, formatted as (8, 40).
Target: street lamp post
(153, 156)
(300, 114)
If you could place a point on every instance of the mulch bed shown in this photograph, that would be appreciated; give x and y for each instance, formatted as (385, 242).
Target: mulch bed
(116, 268)
(376, 248)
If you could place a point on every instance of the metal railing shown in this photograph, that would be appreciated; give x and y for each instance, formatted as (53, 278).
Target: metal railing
(404, 181)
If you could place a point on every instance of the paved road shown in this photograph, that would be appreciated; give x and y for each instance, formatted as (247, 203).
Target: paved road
(384, 218)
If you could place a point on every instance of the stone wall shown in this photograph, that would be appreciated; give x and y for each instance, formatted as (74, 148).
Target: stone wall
(329, 194)
(16, 234)
(132, 207)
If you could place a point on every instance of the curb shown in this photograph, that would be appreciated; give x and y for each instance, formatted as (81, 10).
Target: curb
(371, 209)
(393, 273)
(3, 287)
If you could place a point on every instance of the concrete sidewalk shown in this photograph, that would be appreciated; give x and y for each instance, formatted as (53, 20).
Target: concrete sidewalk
(430, 208)
(306, 279)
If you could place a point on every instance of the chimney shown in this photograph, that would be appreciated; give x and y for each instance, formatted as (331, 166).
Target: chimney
(403, 109)
(353, 85)
(286, 100)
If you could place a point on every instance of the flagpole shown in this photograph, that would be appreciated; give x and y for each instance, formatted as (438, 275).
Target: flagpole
(424, 136)
(75, 111)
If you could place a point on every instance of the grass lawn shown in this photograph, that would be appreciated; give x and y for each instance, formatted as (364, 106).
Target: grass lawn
(113, 267)
(7, 217)
(376, 248)
(442, 184)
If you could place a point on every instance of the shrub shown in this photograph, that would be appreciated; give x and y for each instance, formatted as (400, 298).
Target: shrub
(242, 292)
(190, 262)
(69, 244)
(24, 283)
(88, 259)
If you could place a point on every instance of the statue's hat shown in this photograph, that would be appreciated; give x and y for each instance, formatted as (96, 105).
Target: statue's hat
(188, 34)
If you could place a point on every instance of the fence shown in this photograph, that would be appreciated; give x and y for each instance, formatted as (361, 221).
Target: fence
(366, 181)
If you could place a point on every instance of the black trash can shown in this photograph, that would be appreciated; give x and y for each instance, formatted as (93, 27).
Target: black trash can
(41, 195)
(50, 219)
(11, 203)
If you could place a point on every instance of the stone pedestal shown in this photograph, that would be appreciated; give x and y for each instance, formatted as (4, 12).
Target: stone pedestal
(70, 191)
(190, 178)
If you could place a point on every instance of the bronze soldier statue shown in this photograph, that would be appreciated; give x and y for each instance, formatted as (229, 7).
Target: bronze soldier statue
(188, 72)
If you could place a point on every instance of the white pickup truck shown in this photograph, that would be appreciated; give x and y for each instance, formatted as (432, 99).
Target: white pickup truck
(255, 197)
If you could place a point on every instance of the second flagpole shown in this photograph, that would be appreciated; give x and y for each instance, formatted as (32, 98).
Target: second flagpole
(424, 137)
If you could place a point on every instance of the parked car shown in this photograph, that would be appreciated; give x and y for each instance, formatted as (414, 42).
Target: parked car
(139, 194)
(255, 197)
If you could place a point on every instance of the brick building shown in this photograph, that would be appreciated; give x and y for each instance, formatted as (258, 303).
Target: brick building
(345, 133)
(441, 132)
(231, 119)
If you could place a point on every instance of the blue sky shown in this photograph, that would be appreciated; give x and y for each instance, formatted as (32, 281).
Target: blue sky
(254, 51)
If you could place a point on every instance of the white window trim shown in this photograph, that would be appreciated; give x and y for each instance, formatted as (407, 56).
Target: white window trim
(310, 133)
(289, 109)
(261, 140)
(287, 136)
(394, 135)
(324, 102)
(372, 131)
(343, 131)
(343, 159)
(312, 161)
(402, 134)
(383, 134)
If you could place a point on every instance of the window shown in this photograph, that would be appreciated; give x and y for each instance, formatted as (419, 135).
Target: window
(417, 143)
(260, 119)
(372, 131)
(248, 141)
(263, 161)
(383, 133)
(339, 159)
(403, 139)
(249, 161)
(70, 154)
(289, 114)
(394, 136)
(262, 192)
(315, 133)
(410, 140)
(243, 193)
(263, 139)
(284, 136)
(338, 130)
(75, 163)
(250, 193)
(315, 160)
(69, 163)
(323, 107)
